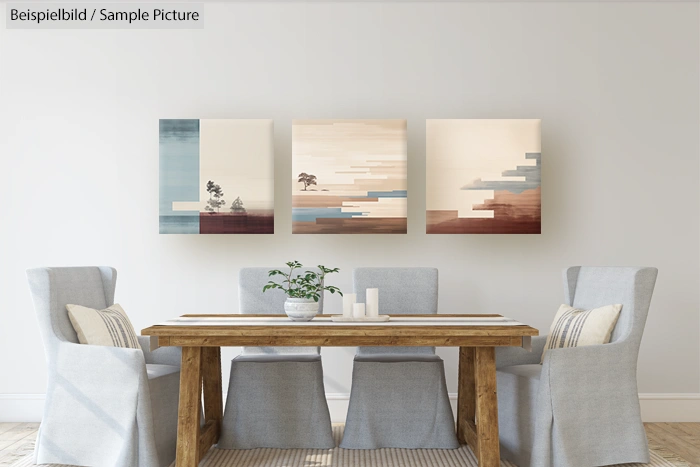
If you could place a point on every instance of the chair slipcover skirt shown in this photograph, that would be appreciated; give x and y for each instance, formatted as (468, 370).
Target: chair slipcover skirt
(517, 409)
(276, 401)
(398, 401)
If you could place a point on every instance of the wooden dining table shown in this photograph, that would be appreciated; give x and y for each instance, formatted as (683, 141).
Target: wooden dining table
(202, 336)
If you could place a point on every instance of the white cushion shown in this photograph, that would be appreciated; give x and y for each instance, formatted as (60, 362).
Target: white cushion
(574, 327)
(109, 327)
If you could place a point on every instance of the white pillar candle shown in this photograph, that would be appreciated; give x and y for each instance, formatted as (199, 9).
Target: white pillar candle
(372, 303)
(349, 300)
(358, 310)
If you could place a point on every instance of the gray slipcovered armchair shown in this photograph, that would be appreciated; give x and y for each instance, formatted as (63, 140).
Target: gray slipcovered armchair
(580, 408)
(276, 396)
(105, 406)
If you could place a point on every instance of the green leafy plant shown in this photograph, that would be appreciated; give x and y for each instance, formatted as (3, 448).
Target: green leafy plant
(306, 284)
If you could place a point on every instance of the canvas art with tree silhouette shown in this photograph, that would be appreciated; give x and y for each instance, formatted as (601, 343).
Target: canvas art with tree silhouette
(349, 176)
(202, 161)
(215, 201)
(307, 180)
(237, 206)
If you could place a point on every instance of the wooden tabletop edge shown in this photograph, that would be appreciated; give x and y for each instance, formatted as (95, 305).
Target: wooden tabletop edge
(328, 315)
(515, 330)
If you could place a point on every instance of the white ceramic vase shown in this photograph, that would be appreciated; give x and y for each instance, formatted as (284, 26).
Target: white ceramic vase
(300, 309)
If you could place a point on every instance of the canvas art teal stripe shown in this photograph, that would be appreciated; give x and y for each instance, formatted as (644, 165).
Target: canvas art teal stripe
(179, 175)
(216, 176)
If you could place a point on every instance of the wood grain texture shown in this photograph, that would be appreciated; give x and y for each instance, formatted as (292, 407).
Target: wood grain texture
(345, 335)
(201, 358)
(466, 394)
(208, 437)
(342, 331)
(683, 439)
(352, 341)
(188, 453)
(262, 315)
(486, 407)
(213, 401)
(470, 436)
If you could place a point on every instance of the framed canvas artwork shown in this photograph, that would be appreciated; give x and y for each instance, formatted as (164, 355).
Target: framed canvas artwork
(216, 176)
(349, 176)
(483, 177)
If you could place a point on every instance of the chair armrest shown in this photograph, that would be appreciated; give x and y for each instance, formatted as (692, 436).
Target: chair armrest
(71, 356)
(98, 373)
(162, 355)
(595, 385)
(510, 356)
(613, 365)
(93, 398)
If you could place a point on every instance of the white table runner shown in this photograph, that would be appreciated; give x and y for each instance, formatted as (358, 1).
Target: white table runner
(325, 320)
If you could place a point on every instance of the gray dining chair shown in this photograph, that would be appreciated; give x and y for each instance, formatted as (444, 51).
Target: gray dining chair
(399, 395)
(276, 397)
(106, 406)
(580, 407)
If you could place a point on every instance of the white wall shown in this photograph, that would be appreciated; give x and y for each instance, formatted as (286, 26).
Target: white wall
(616, 85)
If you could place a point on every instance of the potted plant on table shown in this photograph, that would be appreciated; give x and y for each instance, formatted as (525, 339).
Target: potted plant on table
(303, 289)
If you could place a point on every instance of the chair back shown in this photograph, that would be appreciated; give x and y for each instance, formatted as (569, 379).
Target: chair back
(405, 291)
(252, 300)
(591, 287)
(401, 291)
(54, 288)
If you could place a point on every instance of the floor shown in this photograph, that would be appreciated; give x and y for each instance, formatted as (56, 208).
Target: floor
(681, 439)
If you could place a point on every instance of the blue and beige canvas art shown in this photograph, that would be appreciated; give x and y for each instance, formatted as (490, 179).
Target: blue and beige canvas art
(349, 176)
(216, 176)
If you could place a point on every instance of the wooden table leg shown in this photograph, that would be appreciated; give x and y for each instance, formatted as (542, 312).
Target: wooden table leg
(486, 408)
(213, 402)
(189, 408)
(466, 398)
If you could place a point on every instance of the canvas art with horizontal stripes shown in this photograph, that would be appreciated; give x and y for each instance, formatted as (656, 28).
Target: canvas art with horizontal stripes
(349, 176)
(483, 176)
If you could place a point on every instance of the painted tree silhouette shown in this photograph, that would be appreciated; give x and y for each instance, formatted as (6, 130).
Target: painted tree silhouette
(307, 179)
(216, 194)
(237, 206)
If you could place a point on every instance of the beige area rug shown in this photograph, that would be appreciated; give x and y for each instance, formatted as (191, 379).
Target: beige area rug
(356, 458)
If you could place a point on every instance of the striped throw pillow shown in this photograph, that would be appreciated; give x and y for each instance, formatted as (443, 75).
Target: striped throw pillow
(109, 327)
(573, 327)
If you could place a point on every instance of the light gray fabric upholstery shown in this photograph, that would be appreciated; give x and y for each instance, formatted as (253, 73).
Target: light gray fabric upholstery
(508, 356)
(402, 291)
(252, 300)
(276, 402)
(269, 358)
(580, 408)
(399, 396)
(162, 355)
(104, 405)
(163, 388)
(402, 357)
(399, 404)
(276, 397)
